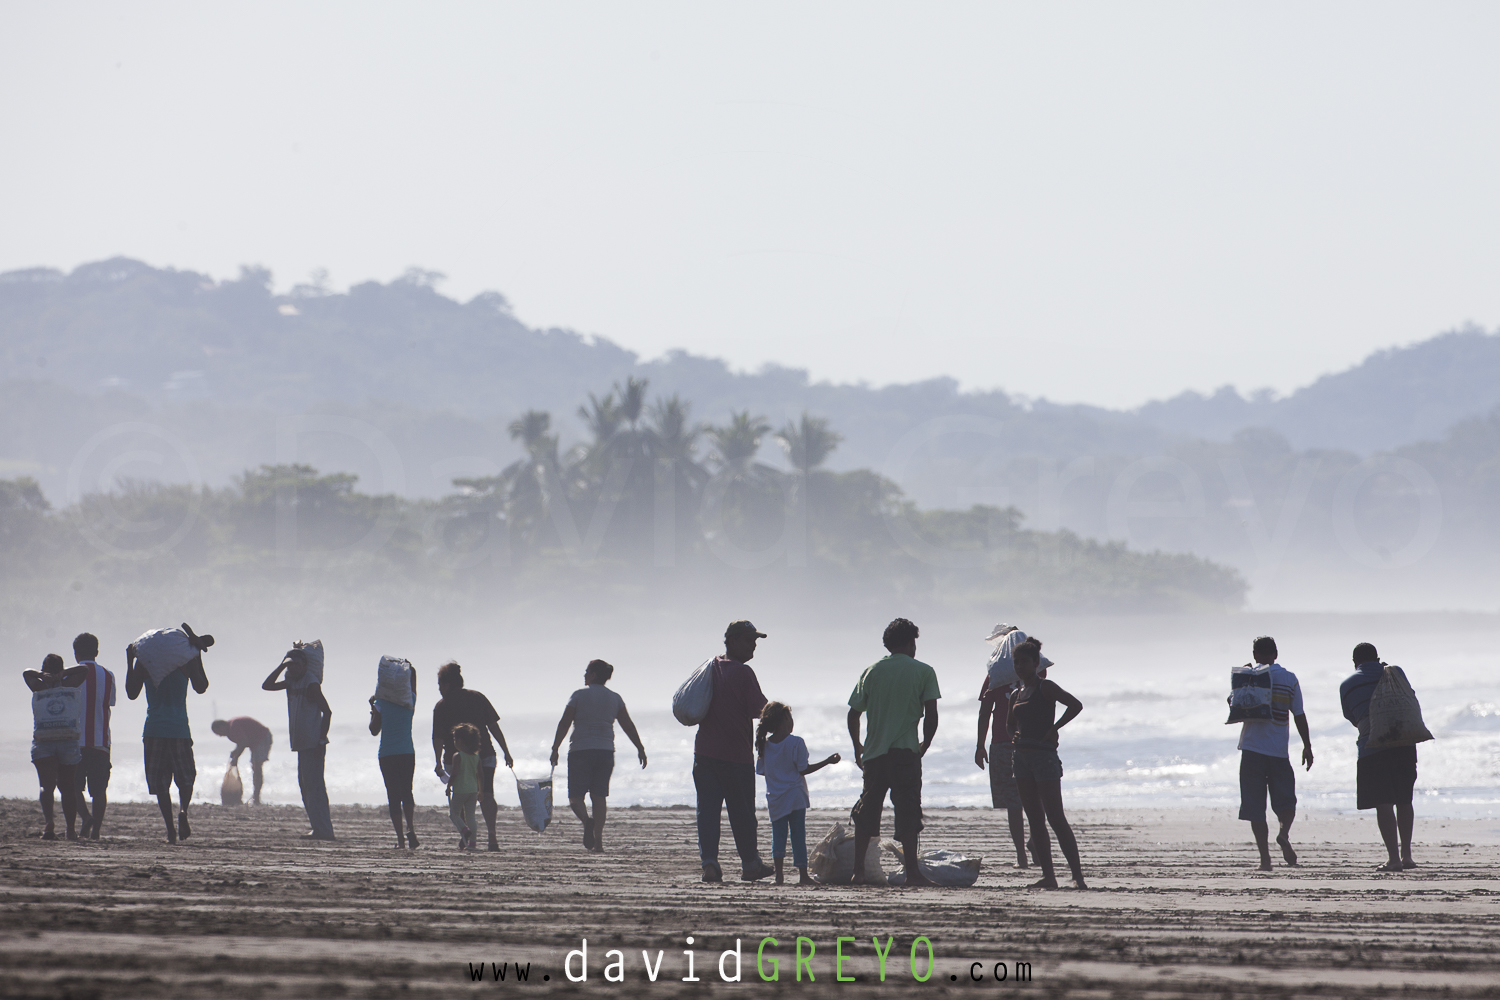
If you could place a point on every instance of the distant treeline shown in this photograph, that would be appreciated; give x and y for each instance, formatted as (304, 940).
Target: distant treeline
(652, 506)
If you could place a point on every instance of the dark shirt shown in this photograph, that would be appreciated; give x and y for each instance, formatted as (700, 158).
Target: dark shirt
(999, 700)
(1354, 693)
(726, 732)
(463, 706)
(1031, 719)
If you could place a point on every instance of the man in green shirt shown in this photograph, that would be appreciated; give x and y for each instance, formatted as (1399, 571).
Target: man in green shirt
(895, 692)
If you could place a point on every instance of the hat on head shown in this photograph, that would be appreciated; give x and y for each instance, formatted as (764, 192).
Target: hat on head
(742, 627)
(998, 631)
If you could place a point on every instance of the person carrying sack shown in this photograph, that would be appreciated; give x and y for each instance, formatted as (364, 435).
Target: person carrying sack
(1385, 775)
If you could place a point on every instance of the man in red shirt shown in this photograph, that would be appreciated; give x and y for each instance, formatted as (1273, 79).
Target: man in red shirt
(724, 757)
(244, 732)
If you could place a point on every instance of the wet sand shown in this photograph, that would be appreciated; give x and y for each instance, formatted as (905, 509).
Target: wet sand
(1176, 909)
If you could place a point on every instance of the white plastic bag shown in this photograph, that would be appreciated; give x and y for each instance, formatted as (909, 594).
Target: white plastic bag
(690, 703)
(393, 681)
(163, 650)
(312, 653)
(948, 868)
(536, 801)
(1249, 693)
(1395, 715)
(832, 860)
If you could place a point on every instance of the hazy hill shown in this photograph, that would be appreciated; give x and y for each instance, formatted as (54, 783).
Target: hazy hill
(1394, 397)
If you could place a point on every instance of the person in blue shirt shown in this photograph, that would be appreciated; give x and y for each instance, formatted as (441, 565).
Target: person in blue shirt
(398, 760)
(1385, 777)
(167, 736)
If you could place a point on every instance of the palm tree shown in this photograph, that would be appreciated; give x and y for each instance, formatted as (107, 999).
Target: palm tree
(808, 442)
(736, 443)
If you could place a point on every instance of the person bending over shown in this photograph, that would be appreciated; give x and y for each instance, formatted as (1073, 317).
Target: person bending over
(247, 734)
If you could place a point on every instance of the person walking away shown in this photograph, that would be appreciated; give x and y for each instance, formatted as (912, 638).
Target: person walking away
(458, 704)
(1265, 764)
(782, 760)
(391, 721)
(592, 712)
(724, 757)
(1031, 717)
(93, 769)
(894, 692)
(247, 734)
(56, 704)
(308, 719)
(463, 766)
(1384, 778)
(167, 735)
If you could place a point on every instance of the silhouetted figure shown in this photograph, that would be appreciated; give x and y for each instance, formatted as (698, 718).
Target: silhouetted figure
(592, 712)
(55, 708)
(1033, 723)
(460, 705)
(391, 721)
(247, 734)
(1384, 778)
(98, 699)
(894, 692)
(167, 736)
(308, 718)
(724, 757)
(1264, 758)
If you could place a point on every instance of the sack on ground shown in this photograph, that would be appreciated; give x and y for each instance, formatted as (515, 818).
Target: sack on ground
(1395, 715)
(832, 860)
(536, 801)
(393, 681)
(1249, 693)
(940, 867)
(232, 792)
(163, 650)
(690, 703)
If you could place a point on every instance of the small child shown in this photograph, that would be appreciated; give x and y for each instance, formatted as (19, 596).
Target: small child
(782, 759)
(463, 782)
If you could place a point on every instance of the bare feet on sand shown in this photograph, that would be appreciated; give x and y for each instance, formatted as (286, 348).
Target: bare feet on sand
(588, 835)
(1287, 854)
(916, 880)
(1265, 863)
(805, 880)
(1407, 862)
(1390, 866)
(1045, 882)
(1078, 882)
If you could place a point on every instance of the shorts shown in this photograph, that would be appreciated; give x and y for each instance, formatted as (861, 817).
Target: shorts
(95, 770)
(67, 754)
(1386, 778)
(260, 752)
(1037, 765)
(169, 759)
(588, 773)
(1260, 773)
(898, 771)
(1003, 791)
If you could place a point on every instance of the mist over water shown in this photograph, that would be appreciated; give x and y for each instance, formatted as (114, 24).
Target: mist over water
(1152, 732)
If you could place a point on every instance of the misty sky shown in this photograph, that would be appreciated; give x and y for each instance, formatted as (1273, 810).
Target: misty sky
(1101, 203)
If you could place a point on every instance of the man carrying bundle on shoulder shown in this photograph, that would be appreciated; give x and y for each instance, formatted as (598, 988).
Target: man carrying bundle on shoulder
(1386, 775)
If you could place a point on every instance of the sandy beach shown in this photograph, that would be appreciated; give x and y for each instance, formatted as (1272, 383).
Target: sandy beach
(246, 909)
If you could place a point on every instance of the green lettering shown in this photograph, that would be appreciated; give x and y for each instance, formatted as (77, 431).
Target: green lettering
(811, 950)
(890, 943)
(838, 960)
(921, 979)
(775, 965)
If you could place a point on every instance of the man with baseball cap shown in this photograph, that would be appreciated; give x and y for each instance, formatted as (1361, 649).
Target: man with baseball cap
(724, 756)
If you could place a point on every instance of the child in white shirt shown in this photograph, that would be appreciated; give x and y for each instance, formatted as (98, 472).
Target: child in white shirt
(782, 759)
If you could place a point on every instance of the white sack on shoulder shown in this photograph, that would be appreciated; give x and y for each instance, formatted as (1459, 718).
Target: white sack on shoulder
(393, 681)
(163, 650)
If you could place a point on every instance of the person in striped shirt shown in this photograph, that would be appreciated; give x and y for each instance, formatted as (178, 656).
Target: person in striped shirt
(93, 770)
